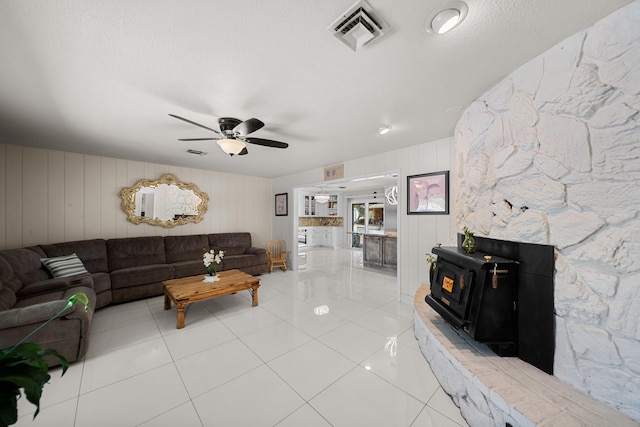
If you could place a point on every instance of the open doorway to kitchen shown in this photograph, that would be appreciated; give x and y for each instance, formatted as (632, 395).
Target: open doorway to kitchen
(373, 216)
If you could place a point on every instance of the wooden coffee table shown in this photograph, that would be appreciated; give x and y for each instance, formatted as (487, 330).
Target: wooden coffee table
(191, 289)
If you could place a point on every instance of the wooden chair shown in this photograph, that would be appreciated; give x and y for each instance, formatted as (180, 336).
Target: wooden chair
(277, 254)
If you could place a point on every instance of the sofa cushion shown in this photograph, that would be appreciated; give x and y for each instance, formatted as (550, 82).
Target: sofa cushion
(93, 253)
(141, 275)
(26, 265)
(185, 248)
(239, 262)
(101, 282)
(188, 268)
(102, 288)
(9, 285)
(133, 293)
(135, 251)
(65, 266)
(53, 285)
(7, 298)
(230, 243)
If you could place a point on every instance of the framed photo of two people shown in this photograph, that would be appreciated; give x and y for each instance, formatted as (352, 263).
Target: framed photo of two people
(428, 193)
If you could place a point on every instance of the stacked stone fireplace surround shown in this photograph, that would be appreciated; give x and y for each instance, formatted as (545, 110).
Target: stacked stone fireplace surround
(551, 155)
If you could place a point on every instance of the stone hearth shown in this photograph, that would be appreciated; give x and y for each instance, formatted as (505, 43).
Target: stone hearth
(492, 390)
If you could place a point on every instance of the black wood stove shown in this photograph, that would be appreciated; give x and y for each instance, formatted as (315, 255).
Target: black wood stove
(501, 295)
(477, 292)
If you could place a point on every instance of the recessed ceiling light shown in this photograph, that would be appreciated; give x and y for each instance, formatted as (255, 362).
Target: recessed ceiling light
(384, 129)
(446, 17)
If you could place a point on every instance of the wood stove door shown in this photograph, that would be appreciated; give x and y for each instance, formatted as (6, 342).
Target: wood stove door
(493, 315)
(452, 286)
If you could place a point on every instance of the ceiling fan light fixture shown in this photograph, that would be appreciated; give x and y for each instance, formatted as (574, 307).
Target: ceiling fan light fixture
(231, 146)
(232, 132)
(447, 17)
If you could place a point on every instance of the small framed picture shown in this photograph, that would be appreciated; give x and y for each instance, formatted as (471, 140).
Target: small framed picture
(334, 172)
(428, 193)
(282, 204)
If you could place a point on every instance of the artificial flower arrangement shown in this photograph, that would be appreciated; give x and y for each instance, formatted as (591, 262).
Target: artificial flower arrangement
(469, 242)
(211, 259)
(431, 259)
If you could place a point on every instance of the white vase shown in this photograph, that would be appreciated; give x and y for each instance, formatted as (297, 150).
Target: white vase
(209, 278)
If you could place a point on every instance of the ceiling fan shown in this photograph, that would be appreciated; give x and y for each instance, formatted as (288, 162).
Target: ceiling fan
(233, 135)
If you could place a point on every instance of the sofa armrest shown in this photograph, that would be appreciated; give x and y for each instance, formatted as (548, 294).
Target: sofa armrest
(32, 315)
(37, 314)
(255, 251)
(78, 310)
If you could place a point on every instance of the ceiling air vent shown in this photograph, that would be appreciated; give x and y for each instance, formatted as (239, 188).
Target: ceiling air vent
(358, 26)
(196, 152)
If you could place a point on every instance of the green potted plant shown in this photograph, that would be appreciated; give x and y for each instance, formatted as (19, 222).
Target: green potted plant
(469, 242)
(431, 259)
(22, 367)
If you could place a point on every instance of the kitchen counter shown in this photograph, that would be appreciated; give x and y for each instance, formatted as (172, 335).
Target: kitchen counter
(321, 221)
(380, 251)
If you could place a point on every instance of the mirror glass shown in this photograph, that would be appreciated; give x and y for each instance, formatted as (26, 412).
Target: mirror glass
(166, 202)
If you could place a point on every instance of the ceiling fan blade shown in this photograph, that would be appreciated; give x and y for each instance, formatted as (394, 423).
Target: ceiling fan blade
(198, 139)
(194, 123)
(266, 142)
(248, 126)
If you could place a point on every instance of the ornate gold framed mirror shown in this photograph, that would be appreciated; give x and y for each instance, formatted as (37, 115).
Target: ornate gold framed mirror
(166, 202)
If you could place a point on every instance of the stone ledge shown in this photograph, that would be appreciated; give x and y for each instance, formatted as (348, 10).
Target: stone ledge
(492, 391)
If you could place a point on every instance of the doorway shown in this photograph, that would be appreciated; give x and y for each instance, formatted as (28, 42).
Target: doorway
(366, 218)
(357, 190)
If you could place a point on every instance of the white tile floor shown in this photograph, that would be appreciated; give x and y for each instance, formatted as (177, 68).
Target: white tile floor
(275, 364)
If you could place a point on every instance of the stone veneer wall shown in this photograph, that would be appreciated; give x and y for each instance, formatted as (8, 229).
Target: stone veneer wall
(552, 155)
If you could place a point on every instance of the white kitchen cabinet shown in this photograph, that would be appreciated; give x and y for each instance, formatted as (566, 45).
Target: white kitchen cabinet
(312, 237)
(327, 236)
(333, 206)
(309, 206)
(338, 237)
(320, 236)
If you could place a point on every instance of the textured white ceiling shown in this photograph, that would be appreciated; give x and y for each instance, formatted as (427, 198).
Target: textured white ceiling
(101, 77)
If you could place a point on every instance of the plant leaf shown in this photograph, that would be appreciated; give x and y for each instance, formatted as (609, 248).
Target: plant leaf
(8, 404)
(24, 368)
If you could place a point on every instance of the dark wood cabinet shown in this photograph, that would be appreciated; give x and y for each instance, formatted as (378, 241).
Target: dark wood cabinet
(380, 251)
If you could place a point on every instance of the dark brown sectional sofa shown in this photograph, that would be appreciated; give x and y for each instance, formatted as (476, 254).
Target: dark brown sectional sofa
(119, 270)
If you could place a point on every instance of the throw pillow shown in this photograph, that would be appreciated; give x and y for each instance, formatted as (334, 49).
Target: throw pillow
(65, 266)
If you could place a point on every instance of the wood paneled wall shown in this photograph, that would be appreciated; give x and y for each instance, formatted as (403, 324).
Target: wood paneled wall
(52, 196)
